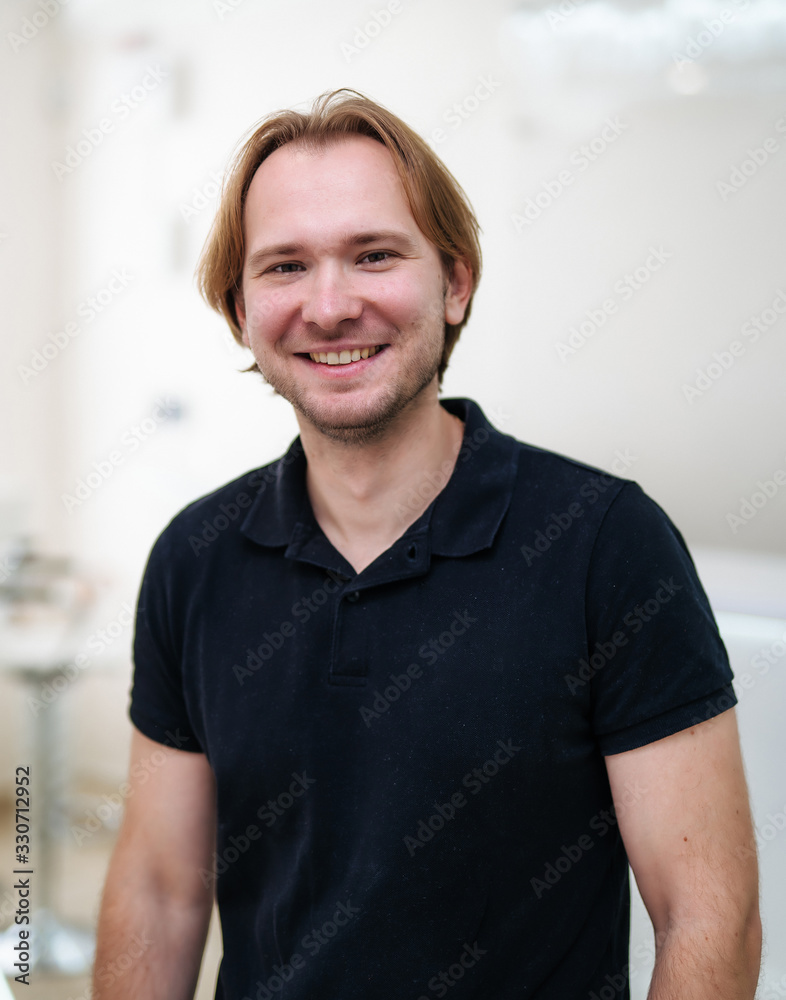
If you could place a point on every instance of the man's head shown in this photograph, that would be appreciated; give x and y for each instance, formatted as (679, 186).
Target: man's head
(436, 201)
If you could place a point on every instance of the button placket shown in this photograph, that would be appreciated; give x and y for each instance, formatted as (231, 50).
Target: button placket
(350, 654)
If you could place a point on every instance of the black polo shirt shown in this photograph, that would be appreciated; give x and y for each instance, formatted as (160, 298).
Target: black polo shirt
(412, 795)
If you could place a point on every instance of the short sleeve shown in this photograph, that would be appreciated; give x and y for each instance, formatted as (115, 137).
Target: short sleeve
(158, 706)
(656, 661)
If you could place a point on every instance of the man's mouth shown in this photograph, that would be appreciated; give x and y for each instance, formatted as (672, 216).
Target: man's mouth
(345, 357)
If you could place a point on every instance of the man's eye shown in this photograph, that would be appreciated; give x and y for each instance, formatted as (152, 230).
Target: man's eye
(380, 255)
(278, 268)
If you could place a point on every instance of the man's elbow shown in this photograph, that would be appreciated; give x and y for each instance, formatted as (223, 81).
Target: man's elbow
(738, 944)
(746, 943)
(725, 943)
(751, 937)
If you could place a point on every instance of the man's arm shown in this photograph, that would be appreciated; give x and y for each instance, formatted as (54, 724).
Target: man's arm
(156, 905)
(689, 837)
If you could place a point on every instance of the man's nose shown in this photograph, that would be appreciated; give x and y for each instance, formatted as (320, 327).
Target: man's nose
(330, 297)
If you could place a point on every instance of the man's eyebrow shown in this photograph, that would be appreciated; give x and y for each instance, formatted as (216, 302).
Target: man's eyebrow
(401, 240)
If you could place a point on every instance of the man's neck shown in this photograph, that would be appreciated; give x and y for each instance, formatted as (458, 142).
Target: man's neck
(365, 496)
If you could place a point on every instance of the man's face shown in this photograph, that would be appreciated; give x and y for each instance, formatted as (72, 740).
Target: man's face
(336, 268)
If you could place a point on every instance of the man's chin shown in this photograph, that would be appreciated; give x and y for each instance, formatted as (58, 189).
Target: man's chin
(358, 421)
(353, 435)
(367, 421)
(356, 426)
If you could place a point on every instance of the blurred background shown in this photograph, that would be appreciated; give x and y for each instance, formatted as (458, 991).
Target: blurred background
(627, 162)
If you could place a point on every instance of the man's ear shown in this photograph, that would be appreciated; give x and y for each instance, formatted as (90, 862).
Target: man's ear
(240, 312)
(458, 292)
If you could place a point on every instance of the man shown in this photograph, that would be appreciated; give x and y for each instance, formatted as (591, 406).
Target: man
(425, 690)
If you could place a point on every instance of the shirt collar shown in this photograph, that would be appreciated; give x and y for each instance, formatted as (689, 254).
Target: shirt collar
(464, 517)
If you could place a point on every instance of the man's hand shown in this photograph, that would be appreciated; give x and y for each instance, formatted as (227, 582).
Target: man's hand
(156, 906)
(688, 842)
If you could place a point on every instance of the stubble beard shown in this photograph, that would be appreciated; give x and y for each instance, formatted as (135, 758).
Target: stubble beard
(372, 423)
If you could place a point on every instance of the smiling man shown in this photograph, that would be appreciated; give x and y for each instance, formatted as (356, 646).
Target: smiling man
(375, 288)
(425, 690)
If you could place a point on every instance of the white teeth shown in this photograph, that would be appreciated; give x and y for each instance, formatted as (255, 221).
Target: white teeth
(344, 357)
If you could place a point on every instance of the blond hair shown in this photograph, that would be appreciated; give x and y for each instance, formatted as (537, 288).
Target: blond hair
(438, 204)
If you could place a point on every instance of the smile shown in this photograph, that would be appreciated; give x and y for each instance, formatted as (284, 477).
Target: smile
(345, 357)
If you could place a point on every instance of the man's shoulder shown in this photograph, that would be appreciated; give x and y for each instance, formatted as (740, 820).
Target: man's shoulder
(538, 467)
(553, 488)
(551, 472)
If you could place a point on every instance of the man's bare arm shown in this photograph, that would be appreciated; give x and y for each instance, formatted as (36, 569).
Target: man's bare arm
(156, 905)
(688, 839)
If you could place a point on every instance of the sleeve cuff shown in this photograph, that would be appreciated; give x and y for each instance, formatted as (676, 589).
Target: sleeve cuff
(668, 723)
(177, 737)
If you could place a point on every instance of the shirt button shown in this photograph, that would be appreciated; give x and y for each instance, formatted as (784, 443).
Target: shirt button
(412, 552)
(354, 596)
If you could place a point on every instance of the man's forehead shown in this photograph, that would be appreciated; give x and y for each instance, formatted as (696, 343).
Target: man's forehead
(351, 157)
(302, 182)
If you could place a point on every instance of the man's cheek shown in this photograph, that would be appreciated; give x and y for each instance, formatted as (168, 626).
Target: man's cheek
(267, 307)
